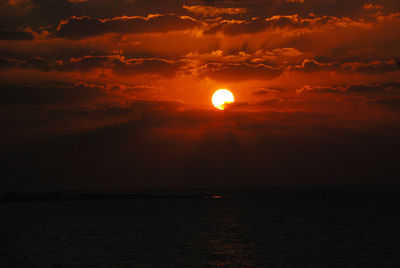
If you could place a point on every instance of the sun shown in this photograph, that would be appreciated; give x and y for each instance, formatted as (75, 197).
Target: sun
(221, 98)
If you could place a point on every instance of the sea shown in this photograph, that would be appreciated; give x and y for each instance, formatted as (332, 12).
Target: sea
(258, 227)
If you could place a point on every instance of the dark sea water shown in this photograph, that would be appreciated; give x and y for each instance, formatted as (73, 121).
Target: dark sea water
(247, 228)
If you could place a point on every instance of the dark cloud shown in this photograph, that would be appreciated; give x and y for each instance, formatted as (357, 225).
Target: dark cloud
(116, 63)
(395, 85)
(363, 88)
(265, 91)
(6, 63)
(392, 102)
(321, 89)
(348, 89)
(310, 66)
(36, 111)
(373, 67)
(37, 13)
(123, 66)
(291, 22)
(47, 94)
(156, 66)
(268, 101)
(48, 12)
(83, 27)
(38, 63)
(366, 67)
(16, 35)
(240, 71)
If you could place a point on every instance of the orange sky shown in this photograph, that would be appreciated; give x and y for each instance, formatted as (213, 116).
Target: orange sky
(295, 67)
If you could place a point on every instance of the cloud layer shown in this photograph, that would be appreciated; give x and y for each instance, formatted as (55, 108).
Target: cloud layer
(311, 79)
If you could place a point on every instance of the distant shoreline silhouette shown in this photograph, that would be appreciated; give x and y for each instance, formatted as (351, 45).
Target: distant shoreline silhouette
(312, 193)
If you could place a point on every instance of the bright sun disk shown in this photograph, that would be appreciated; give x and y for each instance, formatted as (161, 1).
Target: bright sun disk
(221, 98)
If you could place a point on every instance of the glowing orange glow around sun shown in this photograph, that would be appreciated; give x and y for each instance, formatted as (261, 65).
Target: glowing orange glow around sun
(221, 98)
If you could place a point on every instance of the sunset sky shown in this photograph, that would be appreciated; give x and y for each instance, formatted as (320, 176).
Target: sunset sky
(116, 94)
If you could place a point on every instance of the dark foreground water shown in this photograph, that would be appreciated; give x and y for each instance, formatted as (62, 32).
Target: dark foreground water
(251, 228)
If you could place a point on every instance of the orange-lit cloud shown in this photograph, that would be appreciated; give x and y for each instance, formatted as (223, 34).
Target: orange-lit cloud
(214, 11)
(372, 6)
(81, 27)
(295, 1)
